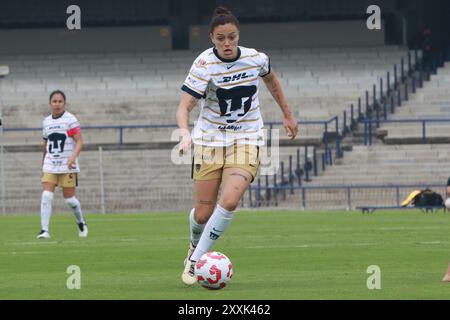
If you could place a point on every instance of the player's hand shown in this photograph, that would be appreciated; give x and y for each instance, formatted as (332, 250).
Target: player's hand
(291, 126)
(70, 162)
(185, 143)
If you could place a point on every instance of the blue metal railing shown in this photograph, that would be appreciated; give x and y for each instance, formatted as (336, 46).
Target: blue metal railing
(271, 125)
(272, 192)
(368, 123)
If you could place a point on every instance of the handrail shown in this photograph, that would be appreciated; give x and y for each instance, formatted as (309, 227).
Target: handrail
(272, 191)
(270, 124)
(368, 126)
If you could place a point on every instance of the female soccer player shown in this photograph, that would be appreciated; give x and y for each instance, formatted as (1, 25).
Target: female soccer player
(62, 145)
(228, 133)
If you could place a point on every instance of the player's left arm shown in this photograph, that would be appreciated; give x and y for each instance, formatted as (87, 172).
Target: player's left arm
(274, 86)
(78, 138)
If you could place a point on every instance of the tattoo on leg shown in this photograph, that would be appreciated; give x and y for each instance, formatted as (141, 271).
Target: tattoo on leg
(206, 202)
(239, 174)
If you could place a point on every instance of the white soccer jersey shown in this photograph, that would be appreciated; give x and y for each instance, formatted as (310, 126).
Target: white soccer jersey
(230, 109)
(59, 134)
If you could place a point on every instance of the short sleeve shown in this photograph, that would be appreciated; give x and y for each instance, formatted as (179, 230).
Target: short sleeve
(265, 65)
(197, 80)
(73, 127)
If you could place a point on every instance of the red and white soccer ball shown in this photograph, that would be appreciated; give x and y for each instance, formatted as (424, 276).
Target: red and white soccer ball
(213, 270)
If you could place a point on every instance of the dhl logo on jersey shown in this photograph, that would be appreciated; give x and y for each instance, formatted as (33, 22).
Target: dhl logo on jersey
(236, 77)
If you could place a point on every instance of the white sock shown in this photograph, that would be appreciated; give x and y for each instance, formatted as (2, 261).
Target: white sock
(46, 209)
(196, 228)
(75, 205)
(215, 227)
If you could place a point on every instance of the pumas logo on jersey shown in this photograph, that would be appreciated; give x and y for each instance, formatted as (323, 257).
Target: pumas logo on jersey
(239, 76)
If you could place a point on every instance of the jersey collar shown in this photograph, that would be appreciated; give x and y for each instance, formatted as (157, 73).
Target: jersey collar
(54, 118)
(227, 60)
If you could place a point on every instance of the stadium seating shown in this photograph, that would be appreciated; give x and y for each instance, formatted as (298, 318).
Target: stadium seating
(110, 89)
(143, 88)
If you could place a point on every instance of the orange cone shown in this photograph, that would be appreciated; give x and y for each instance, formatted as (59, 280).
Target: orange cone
(447, 275)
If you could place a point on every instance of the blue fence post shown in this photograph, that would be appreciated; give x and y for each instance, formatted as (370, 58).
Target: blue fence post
(367, 103)
(385, 110)
(413, 84)
(395, 76)
(406, 90)
(392, 105)
(374, 94)
(291, 178)
(315, 161)
(365, 131)
(378, 117)
(299, 175)
(267, 191)
(338, 142)
(424, 133)
(402, 68)
(388, 83)
(399, 98)
(352, 115)
(324, 160)
(250, 202)
(306, 165)
(359, 109)
(381, 88)
(330, 158)
(370, 131)
(121, 136)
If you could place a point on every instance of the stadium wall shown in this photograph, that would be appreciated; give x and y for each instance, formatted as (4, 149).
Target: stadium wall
(158, 38)
(298, 35)
(86, 40)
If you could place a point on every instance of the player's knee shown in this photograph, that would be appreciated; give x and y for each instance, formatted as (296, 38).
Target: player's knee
(47, 196)
(202, 213)
(72, 202)
(229, 203)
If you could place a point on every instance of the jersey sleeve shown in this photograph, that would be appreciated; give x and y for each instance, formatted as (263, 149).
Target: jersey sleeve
(73, 127)
(197, 80)
(265, 65)
(44, 131)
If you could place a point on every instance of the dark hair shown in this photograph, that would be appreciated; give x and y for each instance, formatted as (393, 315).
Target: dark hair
(57, 92)
(222, 16)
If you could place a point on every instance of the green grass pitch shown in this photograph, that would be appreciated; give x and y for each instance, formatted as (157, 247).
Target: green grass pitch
(275, 254)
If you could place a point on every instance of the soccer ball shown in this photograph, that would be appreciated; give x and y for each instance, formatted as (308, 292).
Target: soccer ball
(447, 203)
(213, 270)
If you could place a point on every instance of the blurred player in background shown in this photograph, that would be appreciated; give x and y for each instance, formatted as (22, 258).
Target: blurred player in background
(228, 133)
(61, 148)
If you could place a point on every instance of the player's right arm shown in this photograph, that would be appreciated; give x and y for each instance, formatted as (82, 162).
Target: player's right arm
(44, 149)
(187, 103)
(193, 88)
(44, 143)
